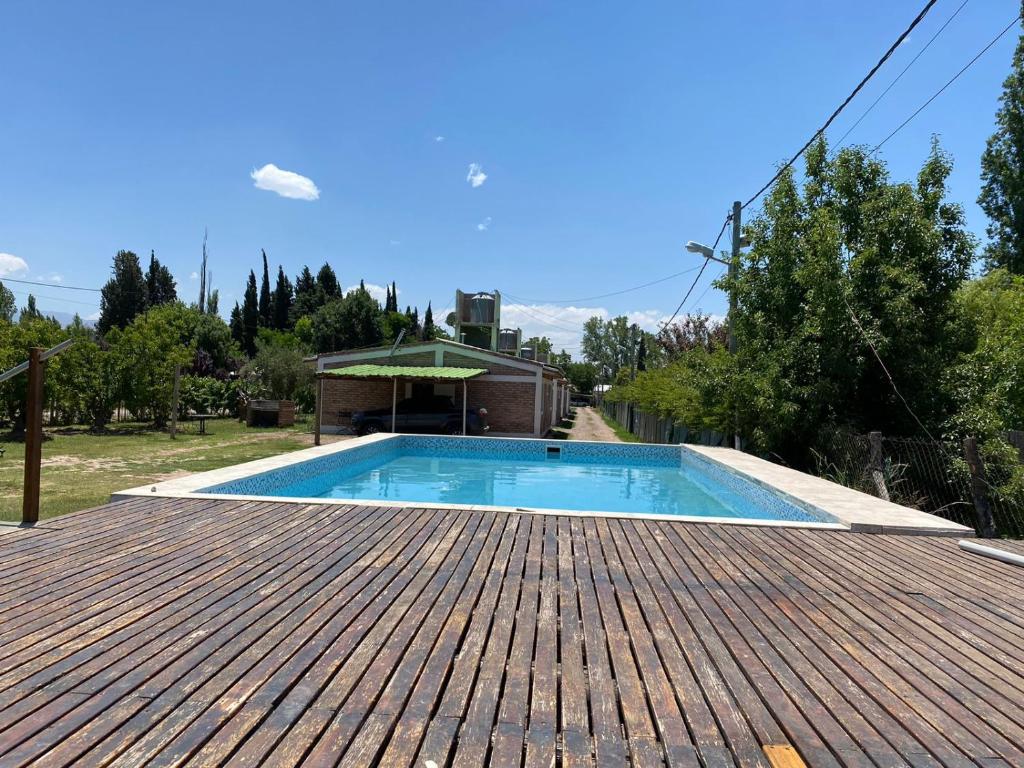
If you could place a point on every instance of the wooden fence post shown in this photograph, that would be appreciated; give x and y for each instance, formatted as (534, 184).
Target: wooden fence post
(982, 505)
(176, 393)
(878, 465)
(33, 437)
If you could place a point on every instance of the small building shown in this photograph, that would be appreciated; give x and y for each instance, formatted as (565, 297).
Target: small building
(523, 398)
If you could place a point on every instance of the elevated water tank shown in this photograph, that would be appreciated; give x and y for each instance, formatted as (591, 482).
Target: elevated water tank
(481, 309)
(508, 340)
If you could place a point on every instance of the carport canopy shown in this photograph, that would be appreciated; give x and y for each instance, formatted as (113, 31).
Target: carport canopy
(369, 371)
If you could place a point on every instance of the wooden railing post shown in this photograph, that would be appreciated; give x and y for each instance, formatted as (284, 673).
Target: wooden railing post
(979, 490)
(878, 465)
(33, 437)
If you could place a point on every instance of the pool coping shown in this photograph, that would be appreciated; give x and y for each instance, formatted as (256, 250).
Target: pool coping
(854, 511)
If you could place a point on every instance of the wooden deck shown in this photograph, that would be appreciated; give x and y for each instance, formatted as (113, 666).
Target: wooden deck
(156, 632)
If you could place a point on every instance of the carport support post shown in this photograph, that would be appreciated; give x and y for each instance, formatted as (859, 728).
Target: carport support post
(33, 437)
(318, 409)
(465, 390)
(394, 403)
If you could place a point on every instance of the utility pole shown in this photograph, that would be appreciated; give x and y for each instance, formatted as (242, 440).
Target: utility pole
(738, 242)
(734, 266)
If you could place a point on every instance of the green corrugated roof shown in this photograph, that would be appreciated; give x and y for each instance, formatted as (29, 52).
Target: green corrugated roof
(368, 371)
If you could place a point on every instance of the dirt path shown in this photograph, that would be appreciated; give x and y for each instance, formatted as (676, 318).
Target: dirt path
(590, 426)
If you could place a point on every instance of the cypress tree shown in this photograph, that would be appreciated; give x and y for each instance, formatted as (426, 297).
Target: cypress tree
(266, 303)
(307, 296)
(160, 288)
(237, 326)
(428, 324)
(327, 284)
(125, 294)
(250, 316)
(282, 301)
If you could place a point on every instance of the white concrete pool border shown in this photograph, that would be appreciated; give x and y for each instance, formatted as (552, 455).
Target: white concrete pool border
(854, 511)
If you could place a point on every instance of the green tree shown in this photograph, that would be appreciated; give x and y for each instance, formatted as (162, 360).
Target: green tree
(29, 312)
(327, 285)
(282, 301)
(266, 301)
(348, 323)
(1002, 174)
(987, 383)
(278, 371)
(582, 376)
(149, 348)
(851, 269)
(307, 296)
(428, 330)
(237, 326)
(160, 288)
(15, 341)
(8, 306)
(250, 316)
(125, 294)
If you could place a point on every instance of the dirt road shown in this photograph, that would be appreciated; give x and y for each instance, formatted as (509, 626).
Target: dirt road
(590, 426)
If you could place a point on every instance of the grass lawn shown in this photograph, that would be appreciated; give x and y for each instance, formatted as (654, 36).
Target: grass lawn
(81, 470)
(620, 431)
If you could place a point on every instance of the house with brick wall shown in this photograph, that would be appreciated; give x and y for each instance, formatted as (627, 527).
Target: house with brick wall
(523, 398)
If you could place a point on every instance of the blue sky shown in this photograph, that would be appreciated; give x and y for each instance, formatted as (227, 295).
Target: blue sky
(609, 134)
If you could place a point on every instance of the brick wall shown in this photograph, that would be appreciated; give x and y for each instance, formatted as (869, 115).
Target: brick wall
(343, 395)
(545, 414)
(509, 404)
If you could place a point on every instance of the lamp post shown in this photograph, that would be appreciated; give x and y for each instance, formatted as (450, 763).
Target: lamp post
(738, 242)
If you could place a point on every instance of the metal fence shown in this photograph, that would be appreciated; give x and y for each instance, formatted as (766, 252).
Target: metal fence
(934, 476)
(651, 428)
(931, 475)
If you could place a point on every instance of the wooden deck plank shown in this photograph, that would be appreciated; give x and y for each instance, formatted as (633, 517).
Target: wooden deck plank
(214, 632)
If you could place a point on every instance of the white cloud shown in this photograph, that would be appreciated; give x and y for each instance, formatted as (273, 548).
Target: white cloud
(476, 175)
(193, 276)
(12, 265)
(379, 292)
(439, 139)
(484, 225)
(564, 325)
(53, 277)
(395, 242)
(285, 183)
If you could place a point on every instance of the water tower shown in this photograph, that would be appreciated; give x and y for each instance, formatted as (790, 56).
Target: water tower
(478, 319)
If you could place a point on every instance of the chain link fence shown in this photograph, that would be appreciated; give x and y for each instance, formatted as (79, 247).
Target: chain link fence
(931, 475)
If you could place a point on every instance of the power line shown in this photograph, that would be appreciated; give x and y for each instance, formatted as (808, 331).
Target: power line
(846, 101)
(901, 74)
(49, 285)
(613, 293)
(949, 82)
(692, 286)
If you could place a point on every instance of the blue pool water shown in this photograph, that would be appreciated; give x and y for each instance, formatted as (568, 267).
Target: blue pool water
(531, 474)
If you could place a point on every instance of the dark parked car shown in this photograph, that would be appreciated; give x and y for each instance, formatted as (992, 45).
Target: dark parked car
(435, 415)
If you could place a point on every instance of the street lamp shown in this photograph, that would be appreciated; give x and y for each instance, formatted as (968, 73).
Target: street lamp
(738, 241)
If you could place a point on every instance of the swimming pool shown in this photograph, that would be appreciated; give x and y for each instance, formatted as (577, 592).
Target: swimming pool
(528, 475)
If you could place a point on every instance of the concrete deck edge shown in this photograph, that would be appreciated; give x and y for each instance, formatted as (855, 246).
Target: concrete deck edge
(858, 511)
